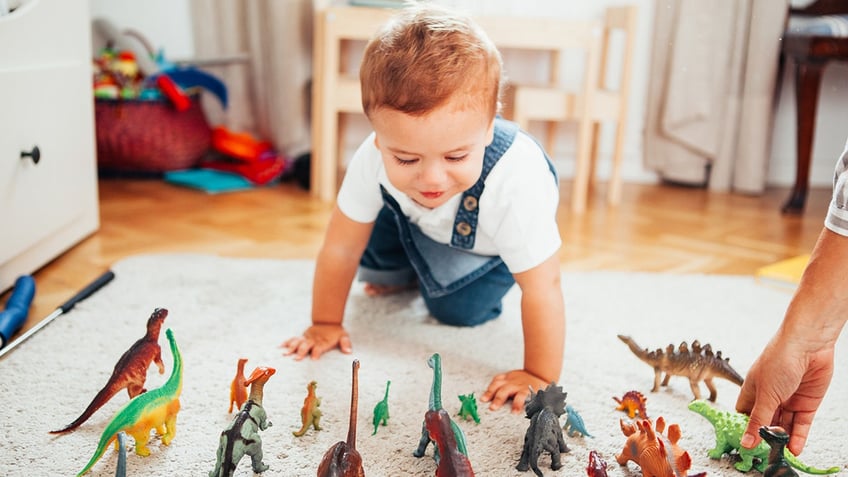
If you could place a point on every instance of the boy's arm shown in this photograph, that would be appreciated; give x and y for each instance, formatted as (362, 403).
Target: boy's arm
(543, 322)
(335, 269)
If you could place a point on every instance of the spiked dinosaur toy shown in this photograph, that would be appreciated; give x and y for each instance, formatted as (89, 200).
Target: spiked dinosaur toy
(698, 364)
(310, 415)
(130, 371)
(238, 387)
(450, 453)
(342, 460)
(241, 438)
(544, 434)
(729, 428)
(468, 407)
(381, 411)
(657, 455)
(155, 409)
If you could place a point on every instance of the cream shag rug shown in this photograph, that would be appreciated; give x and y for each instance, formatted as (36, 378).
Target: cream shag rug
(222, 309)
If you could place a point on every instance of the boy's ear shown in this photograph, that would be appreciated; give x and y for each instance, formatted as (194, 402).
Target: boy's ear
(376, 141)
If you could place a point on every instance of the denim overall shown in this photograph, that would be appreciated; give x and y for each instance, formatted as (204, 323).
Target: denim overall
(459, 287)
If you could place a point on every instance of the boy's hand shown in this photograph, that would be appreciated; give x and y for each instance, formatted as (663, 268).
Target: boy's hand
(317, 340)
(514, 384)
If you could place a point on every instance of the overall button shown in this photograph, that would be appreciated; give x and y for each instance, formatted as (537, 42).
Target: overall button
(463, 229)
(470, 203)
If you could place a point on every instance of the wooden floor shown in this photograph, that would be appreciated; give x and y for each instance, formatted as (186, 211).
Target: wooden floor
(657, 228)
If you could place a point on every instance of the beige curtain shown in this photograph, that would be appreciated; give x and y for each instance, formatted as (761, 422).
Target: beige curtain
(712, 80)
(269, 89)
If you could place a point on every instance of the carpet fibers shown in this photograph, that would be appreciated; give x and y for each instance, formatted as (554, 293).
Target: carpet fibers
(222, 309)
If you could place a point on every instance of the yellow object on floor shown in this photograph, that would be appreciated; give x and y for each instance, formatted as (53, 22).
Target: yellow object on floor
(785, 272)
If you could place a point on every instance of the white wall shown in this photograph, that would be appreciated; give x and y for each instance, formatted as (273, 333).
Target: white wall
(167, 23)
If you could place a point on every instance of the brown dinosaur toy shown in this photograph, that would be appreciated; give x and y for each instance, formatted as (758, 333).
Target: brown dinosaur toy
(650, 449)
(633, 402)
(130, 371)
(310, 415)
(342, 460)
(698, 364)
(238, 389)
(777, 438)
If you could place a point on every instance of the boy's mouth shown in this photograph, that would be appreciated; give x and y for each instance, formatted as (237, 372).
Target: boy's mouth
(432, 194)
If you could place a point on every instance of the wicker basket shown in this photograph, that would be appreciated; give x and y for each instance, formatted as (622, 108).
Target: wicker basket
(149, 136)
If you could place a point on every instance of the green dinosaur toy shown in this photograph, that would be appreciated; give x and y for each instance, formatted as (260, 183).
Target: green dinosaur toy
(448, 439)
(155, 409)
(381, 410)
(729, 428)
(468, 409)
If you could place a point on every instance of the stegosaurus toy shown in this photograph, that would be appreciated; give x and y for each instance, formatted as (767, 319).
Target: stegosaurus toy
(656, 454)
(729, 428)
(697, 364)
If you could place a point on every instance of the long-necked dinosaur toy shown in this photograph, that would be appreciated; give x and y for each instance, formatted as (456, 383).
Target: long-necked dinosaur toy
(155, 409)
(343, 460)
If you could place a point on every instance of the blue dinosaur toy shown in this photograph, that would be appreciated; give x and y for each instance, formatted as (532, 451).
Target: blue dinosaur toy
(574, 423)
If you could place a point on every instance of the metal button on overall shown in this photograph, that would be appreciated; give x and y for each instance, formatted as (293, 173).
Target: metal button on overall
(462, 228)
(470, 203)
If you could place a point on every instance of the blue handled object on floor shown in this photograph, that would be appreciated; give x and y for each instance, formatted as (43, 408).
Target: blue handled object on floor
(17, 308)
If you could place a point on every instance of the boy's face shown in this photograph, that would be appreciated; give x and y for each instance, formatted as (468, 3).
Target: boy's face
(432, 158)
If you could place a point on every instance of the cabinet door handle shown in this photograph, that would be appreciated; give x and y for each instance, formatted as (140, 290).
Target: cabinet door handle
(35, 154)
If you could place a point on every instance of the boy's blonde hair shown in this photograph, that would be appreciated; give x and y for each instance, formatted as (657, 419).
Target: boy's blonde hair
(427, 55)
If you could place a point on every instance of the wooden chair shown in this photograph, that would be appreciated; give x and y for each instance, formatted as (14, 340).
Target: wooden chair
(811, 46)
(592, 104)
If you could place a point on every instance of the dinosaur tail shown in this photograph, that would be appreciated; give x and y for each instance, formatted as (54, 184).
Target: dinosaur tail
(641, 353)
(108, 436)
(103, 396)
(794, 462)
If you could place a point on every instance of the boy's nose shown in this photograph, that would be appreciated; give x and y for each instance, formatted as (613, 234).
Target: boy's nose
(431, 173)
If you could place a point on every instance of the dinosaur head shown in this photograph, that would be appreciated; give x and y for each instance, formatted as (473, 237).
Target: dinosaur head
(154, 323)
(701, 407)
(259, 374)
(551, 397)
(774, 435)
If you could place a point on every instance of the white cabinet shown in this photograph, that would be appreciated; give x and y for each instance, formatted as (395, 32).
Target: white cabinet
(46, 103)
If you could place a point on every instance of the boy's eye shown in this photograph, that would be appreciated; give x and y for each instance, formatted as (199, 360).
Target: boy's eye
(405, 161)
(457, 157)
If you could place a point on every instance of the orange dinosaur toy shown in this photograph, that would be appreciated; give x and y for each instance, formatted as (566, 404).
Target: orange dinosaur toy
(238, 388)
(632, 402)
(650, 449)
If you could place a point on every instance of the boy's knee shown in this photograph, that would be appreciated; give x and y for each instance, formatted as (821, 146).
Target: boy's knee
(452, 313)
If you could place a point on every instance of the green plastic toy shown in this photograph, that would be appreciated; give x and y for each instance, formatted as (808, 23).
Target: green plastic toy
(381, 411)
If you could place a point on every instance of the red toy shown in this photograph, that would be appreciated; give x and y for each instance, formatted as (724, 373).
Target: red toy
(238, 388)
(342, 460)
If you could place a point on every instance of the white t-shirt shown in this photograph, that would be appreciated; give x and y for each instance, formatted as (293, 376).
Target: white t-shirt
(837, 212)
(517, 210)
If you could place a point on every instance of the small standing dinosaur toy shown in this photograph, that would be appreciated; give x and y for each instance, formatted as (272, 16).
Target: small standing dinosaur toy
(468, 408)
(155, 409)
(777, 438)
(698, 364)
(597, 466)
(544, 434)
(574, 423)
(450, 452)
(310, 415)
(656, 455)
(729, 428)
(342, 460)
(633, 403)
(130, 371)
(238, 388)
(381, 410)
(242, 438)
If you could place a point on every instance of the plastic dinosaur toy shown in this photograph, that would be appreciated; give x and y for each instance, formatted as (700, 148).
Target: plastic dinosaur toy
(241, 437)
(657, 455)
(310, 415)
(574, 423)
(698, 364)
(633, 403)
(238, 388)
(544, 434)
(130, 371)
(597, 467)
(450, 453)
(381, 411)
(777, 438)
(468, 407)
(342, 460)
(155, 409)
(729, 428)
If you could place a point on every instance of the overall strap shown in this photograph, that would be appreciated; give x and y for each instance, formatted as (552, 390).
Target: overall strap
(465, 224)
